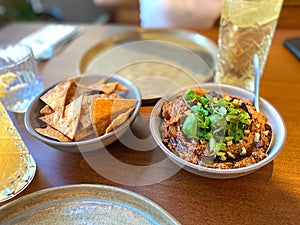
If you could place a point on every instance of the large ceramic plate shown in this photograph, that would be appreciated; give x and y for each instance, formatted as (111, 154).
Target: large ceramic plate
(83, 204)
(156, 60)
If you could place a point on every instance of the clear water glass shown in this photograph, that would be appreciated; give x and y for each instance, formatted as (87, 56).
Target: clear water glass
(20, 81)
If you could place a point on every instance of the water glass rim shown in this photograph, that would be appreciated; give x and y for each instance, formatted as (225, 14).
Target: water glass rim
(9, 61)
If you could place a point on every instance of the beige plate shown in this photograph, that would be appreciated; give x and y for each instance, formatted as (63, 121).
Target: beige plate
(156, 60)
(83, 204)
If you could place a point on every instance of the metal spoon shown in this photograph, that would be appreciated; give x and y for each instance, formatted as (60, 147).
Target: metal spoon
(256, 81)
(256, 92)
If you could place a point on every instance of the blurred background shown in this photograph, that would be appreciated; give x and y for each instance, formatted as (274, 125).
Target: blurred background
(85, 11)
(68, 11)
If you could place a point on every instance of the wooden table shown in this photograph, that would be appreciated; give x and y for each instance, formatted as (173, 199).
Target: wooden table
(271, 195)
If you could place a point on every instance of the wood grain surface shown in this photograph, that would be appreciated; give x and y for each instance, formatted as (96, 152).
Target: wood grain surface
(270, 195)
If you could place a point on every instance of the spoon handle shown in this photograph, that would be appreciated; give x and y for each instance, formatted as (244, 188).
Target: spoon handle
(256, 81)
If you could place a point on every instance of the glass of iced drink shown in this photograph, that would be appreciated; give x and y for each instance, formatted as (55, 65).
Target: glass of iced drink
(17, 166)
(20, 82)
(246, 28)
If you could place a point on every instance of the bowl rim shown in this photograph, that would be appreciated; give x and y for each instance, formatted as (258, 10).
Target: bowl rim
(53, 142)
(280, 135)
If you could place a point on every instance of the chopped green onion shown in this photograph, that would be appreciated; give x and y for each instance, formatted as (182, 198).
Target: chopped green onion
(218, 121)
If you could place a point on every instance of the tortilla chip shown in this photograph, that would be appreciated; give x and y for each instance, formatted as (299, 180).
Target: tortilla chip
(71, 93)
(106, 88)
(83, 133)
(56, 97)
(53, 133)
(120, 87)
(85, 119)
(109, 88)
(104, 110)
(46, 110)
(97, 85)
(68, 117)
(119, 120)
(66, 123)
(112, 95)
(94, 86)
(84, 90)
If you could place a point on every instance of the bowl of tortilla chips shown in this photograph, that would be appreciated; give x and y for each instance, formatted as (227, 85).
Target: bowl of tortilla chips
(83, 113)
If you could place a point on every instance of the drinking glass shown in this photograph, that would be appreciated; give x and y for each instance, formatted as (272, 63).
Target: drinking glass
(246, 28)
(20, 82)
(17, 166)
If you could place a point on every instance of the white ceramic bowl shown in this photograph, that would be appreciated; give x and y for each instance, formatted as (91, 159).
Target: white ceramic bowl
(275, 120)
(32, 120)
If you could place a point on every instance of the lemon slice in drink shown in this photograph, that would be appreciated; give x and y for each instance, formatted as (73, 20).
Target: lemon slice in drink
(251, 13)
(5, 80)
(17, 167)
(269, 11)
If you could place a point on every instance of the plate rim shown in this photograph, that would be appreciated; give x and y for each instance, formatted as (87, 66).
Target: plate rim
(32, 200)
(195, 37)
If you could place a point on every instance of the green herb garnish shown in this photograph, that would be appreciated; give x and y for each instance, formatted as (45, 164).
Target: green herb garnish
(218, 121)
